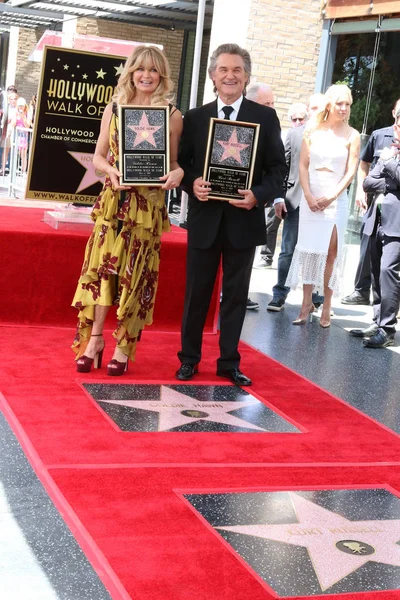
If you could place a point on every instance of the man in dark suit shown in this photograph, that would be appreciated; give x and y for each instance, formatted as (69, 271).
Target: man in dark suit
(379, 139)
(221, 229)
(289, 208)
(383, 227)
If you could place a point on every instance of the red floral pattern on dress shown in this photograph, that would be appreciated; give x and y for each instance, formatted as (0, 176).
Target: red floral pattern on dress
(107, 268)
(102, 235)
(141, 201)
(94, 287)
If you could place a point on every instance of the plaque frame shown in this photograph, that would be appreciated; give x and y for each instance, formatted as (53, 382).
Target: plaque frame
(244, 172)
(127, 154)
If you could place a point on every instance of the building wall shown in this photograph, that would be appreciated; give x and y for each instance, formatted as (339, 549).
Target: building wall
(171, 40)
(27, 72)
(283, 40)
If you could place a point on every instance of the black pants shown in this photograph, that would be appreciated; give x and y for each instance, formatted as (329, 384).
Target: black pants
(385, 266)
(362, 282)
(273, 223)
(201, 271)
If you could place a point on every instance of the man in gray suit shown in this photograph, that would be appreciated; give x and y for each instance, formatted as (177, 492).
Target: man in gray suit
(288, 209)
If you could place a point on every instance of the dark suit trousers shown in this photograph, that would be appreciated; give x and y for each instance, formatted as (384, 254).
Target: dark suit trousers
(201, 271)
(362, 282)
(385, 262)
(273, 223)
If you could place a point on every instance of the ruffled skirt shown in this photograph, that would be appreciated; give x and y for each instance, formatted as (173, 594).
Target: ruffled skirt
(122, 268)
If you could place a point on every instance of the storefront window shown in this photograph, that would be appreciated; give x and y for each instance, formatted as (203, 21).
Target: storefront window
(356, 56)
(354, 64)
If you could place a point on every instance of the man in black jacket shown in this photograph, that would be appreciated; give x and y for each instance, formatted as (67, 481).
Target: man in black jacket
(383, 227)
(379, 139)
(220, 229)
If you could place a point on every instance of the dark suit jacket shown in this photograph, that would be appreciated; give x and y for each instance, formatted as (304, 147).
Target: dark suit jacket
(294, 190)
(245, 228)
(384, 179)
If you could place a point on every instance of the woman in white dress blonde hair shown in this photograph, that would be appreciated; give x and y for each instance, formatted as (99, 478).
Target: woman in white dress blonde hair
(328, 162)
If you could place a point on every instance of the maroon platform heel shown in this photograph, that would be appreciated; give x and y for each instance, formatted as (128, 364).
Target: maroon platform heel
(84, 363)
(116, 368)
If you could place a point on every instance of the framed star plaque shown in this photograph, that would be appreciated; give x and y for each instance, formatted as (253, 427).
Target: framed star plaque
(230, 158)
(143, 144)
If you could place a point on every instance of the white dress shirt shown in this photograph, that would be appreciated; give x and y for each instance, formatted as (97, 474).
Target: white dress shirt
(236, 106)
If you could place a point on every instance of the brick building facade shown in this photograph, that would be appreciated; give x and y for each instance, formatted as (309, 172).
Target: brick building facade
(283, 39)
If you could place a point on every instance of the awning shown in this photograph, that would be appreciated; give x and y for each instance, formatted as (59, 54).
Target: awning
(84, 42)
(339, 9)
(170, 14)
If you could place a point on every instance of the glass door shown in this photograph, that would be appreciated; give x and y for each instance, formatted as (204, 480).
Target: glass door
(369, 63)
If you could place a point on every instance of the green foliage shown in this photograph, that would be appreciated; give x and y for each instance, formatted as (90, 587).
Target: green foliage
(353, 67)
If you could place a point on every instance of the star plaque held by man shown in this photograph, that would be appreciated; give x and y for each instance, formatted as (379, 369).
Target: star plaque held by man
(230, 157)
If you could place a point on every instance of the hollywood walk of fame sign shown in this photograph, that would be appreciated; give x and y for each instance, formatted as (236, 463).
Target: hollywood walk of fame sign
(75, 87)
(184, 408)
(311, 543)
(230, 158)
(143, 144)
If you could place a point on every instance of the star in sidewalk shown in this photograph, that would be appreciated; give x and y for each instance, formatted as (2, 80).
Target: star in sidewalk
(119, 69)
(176, 409)
(336, 546)
(144, 131)
(91, 175)
(101, 73)
(232, 148)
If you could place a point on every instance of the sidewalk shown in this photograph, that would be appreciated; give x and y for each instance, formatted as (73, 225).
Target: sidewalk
(346, 316)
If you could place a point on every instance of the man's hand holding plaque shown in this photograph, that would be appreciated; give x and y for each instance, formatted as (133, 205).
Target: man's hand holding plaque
(201, 189)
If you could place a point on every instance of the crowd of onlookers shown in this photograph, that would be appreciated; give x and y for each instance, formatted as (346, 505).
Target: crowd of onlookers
(377, 194)
(16, 114)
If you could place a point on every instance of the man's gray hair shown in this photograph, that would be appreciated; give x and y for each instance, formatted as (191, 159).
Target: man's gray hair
(230, 49)
(255, 88)
(298, 107)
(398, 113)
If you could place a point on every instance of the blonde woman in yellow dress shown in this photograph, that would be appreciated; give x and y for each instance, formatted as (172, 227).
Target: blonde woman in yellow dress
(328, 162)
(122, 255)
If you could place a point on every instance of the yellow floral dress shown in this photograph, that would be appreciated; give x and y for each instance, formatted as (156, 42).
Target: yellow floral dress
(121, 267)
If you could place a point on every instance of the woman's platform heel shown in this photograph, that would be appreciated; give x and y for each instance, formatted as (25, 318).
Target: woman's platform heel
(116, 368)
(84, 363)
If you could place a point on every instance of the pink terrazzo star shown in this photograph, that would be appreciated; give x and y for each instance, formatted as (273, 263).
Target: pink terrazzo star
(176, 409)
(91, 175)
(144, 131)
(232, 148)
(320, 530)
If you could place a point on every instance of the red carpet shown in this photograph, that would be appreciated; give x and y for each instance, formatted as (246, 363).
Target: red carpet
(120, 492)
(41, 267)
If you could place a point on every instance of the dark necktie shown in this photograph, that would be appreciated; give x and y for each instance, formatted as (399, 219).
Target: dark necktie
(227, 110)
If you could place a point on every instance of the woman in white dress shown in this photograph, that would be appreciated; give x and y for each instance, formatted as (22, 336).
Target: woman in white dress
(328, 162)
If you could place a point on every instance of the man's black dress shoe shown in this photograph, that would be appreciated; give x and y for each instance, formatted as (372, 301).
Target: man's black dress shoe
(356, 298)
(366, 332)
(186, 371)
(236, 376)
(380, 340)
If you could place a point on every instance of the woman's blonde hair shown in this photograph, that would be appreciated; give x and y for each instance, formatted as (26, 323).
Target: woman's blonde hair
(332, 94)
(144, 56)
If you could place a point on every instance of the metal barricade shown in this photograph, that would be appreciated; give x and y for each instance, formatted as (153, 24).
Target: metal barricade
(19, 156)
